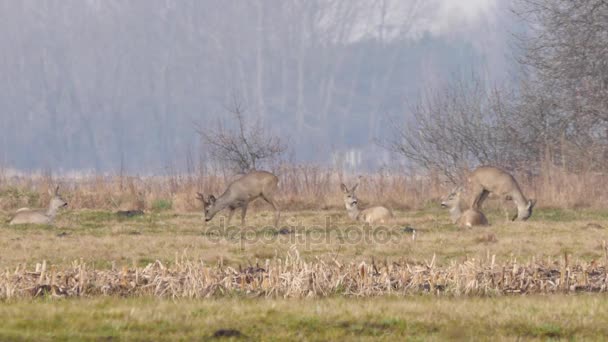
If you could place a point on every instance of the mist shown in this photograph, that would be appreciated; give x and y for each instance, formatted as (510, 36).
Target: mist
(102, 85)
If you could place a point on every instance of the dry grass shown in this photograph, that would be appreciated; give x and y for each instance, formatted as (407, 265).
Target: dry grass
(301, 187)
(174, 255)
(292, 277)
(100, 238)
(99, 258)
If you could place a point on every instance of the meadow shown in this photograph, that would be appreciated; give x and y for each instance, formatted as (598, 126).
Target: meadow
(101, 239)
(319, 276)
(417, 318)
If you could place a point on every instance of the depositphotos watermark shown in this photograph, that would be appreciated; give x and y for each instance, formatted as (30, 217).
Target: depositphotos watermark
(308, 235)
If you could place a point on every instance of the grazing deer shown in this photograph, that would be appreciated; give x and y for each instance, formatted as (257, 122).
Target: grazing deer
(467, 218)
(488, 179)
(25, 215)
(371, 215)
(240, 192)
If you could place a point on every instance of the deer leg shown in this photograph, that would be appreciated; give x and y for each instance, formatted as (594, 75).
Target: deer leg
(482, 198)
(230, 213)
(477, 191)
(505, 207)
(243, 213)
(277, 212)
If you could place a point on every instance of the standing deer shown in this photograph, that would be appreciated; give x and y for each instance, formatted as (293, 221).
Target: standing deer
(467, 218)
(40, 216)
(488, 179)
(240, 192)
(371, 215)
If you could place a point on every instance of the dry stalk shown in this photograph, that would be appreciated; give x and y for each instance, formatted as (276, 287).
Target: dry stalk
(293, 277)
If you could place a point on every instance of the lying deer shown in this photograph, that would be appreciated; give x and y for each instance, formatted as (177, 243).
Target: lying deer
(488, 179)
(373, 215)
(467, 218)
(40, 216)
(239, 193)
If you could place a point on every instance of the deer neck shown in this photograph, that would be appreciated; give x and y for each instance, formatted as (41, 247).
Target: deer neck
(225, 200)
(51, 213)
(353, 213)
(456, 212)
(520, 201)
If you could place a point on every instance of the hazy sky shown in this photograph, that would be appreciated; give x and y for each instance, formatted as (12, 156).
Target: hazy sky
(418, 17)
(106, 82)
(453, 14)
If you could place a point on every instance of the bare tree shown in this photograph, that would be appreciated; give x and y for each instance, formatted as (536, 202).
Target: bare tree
(565, 95)
(459, 125)
(242, 146)
(560, 109)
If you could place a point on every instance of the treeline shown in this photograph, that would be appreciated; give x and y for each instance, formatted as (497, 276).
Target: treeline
(111, 84)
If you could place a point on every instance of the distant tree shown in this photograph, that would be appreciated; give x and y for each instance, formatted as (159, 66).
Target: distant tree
(564, 101)
(458, 126)
(559, 113)
(241, 145)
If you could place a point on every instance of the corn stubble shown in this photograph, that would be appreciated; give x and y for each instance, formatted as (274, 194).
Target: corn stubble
(293, 277)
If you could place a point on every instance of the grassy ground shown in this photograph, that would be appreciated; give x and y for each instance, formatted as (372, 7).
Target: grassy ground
(100, 238)
(414, 318)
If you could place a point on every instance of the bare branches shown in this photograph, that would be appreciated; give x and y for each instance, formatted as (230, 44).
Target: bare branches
(566, 91)
(567, 51)
(242, 148)
(559, 112)
(456, 126)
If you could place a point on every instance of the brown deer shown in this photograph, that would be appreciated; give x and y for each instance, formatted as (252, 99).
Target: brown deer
(40, 216)
(373, 215)
(464, 219)
(238, 194)
(489, 179)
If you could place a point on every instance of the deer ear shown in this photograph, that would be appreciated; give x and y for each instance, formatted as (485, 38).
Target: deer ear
(211, 199)
(344, 188)
(200, 197)
(354, 187)
(57, 190)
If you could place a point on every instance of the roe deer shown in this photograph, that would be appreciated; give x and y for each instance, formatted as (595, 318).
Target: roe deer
(488, 179)
(240, 192)
(371, 215)
(467, 218)
(25, 215)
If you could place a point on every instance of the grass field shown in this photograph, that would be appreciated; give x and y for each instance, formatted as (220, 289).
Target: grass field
(104, 241)
(100, 238)
(386, 318)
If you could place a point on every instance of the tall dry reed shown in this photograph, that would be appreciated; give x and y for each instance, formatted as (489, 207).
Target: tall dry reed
(301, 187)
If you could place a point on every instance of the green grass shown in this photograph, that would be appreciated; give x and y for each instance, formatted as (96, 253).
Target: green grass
(561, 215)
(102, 239)
(162, 205)
(385, 318)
